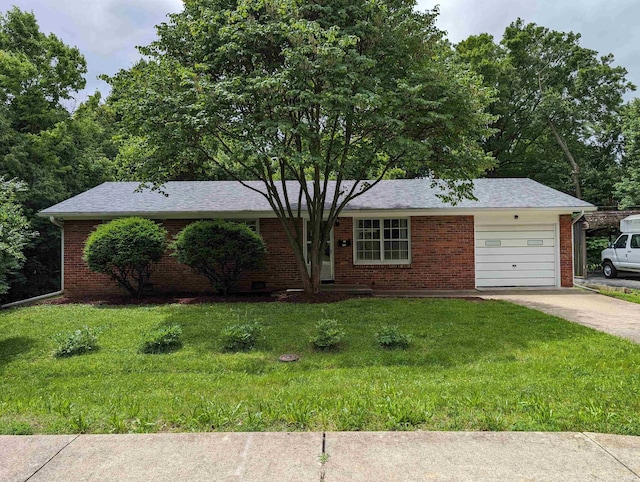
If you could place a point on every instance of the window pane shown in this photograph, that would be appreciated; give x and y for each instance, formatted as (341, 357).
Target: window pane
(396, 250)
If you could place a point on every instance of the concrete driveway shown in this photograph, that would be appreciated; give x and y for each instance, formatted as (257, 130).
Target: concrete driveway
(617, 317)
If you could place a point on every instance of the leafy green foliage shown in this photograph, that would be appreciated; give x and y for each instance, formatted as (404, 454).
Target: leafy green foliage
(628, 188)
(15, 232)
(126, 249)
(241, 336)
(78, 342)
(56, 153)
(219, 250)
(328, 334)
(162, 339)
(594, 248)
(555, 100)
(304, 92)
(390, 336)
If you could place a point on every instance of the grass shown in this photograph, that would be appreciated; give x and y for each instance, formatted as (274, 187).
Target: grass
(471, 366)
(633, 296)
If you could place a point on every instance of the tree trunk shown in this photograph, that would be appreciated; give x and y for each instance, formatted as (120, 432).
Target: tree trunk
(575, 174)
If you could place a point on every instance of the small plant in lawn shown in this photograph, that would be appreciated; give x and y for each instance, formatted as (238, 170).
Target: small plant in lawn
(241, 336)
(162, 339)
(390, 337)
(328, 335)
(77, 342)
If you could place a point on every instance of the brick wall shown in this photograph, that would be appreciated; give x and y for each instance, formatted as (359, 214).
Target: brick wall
(442, 257)
(169, 276)
(566, 251)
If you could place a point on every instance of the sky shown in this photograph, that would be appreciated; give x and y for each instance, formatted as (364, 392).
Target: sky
(107, 31)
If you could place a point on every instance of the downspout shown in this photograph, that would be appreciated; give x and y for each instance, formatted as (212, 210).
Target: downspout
(55, 293)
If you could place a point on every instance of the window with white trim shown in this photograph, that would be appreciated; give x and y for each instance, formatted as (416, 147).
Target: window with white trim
(381, 241)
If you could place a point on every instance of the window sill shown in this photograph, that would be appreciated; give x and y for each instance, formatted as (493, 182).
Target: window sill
(382, 265)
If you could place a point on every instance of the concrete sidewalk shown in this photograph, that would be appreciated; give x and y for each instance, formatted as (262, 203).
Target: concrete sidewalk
(313, 456)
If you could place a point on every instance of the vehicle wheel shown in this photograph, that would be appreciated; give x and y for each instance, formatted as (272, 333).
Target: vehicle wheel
(609, 270)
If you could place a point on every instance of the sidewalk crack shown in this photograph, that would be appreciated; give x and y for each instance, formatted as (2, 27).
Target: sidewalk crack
(324, 458)
(52, 457)
(612, 455)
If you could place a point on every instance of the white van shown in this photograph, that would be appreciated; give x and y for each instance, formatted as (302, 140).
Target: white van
(624, 253)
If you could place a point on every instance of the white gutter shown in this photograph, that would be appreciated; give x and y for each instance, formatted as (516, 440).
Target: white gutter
(55, 293)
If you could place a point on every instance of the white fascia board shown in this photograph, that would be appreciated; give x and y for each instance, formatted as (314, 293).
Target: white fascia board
(360, 213)
(160, 215)
(461, 211)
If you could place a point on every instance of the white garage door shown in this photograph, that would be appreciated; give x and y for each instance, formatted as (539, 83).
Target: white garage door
(522, 255)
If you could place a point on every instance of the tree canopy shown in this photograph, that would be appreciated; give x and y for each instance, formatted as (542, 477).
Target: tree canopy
(56, 153)
(308, 92)
(557, 105)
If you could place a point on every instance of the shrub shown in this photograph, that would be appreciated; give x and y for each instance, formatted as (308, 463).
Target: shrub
(126, 250)
(77, 342)
(219, 250)
(162, 339)
(241, 336)
(390, 337)
(328, 334)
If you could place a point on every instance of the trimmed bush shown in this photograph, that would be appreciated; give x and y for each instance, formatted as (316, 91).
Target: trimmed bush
(77, 342)
(241, 337)
(219, 250)
(126, 249)
(328, 335)
(163, 339)
(390, 337)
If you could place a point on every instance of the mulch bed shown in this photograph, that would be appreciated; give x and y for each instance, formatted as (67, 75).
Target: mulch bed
(193, 299)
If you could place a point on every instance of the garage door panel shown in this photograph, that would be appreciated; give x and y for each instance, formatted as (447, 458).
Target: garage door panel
(505, 283)
(515, 235)
(515, 274)
(513, 243)
(519, 266)
(522, 250)
(515, 228)
(515, 258)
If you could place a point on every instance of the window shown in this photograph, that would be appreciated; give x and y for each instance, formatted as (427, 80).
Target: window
(635, 241)
(621, 241)
(382, 241)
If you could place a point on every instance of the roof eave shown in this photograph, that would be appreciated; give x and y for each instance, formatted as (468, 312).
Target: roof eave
(271, 214)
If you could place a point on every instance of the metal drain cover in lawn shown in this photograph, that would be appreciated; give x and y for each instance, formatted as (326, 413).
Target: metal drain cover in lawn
(289, 357)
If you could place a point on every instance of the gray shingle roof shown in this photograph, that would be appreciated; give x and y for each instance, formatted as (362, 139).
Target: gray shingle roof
(229, 197)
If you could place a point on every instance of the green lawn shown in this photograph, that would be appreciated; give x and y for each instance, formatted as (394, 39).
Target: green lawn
(472, 366)
(633, 297)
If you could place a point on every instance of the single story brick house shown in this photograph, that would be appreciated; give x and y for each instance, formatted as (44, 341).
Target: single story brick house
(398, 236)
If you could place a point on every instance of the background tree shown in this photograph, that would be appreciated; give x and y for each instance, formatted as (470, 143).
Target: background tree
(14, 231)
(307, 92)
(557, 103)
(56, 153)
(221, 251)
(126, 249)
(628, 189)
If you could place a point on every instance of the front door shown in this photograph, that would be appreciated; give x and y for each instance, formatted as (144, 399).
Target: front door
(327, 256)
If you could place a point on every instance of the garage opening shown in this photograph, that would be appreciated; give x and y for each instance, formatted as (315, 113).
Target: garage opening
(522, 255)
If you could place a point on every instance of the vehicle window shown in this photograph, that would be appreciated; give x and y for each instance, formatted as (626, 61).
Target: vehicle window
(635, 241)
(622, 241)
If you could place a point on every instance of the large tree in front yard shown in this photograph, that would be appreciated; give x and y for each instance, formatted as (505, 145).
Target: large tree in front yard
(308, 92)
